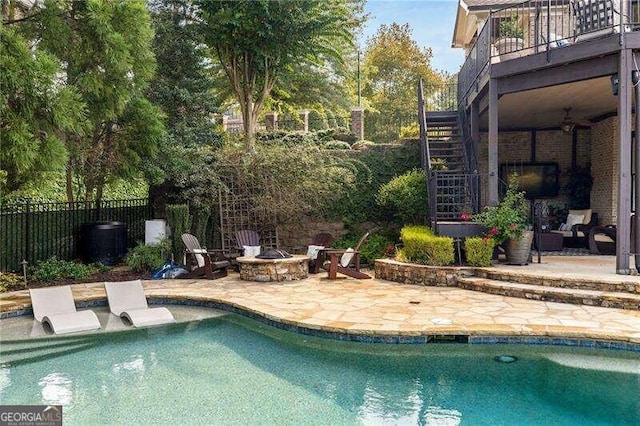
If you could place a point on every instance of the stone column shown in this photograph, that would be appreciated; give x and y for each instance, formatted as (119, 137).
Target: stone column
(357, 122)
(271, 121)
(304, 126)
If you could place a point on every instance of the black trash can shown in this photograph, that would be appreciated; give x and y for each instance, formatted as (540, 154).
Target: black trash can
(104, 242)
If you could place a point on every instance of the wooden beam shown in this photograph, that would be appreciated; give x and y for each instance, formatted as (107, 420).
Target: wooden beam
(565, 55)
(569, 73)
(493, 142)
(624, 164)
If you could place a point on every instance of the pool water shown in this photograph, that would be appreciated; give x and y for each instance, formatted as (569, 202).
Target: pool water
(232, 370)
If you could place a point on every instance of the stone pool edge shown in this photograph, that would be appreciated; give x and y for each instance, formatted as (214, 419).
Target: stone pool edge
(452, 334)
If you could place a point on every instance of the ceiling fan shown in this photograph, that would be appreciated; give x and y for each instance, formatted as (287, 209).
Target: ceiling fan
(568, 124)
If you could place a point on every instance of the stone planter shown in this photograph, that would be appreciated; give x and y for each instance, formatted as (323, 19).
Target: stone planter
(518, 250)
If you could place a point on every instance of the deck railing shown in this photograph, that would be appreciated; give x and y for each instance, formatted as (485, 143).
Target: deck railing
(538, 26)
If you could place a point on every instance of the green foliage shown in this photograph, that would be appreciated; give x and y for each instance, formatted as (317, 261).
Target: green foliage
(336, 145)
(406, 197)
(331, 119)
(374, 247)
(410, 131)
(393, 65)
(9, 281)
(183, 83)
(422, 247)
(510, 217)
(147, 258)
(317, 120)
(511, 28)
(55, 269)
(479, 250)
(293, 181)
(260, 42)
(373, 167)
(34, 111)
(439, 164)
(179, 222)
(106, 49)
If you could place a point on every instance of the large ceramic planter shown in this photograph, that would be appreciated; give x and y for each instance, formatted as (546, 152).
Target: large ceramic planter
(518, 250)
(509, 47)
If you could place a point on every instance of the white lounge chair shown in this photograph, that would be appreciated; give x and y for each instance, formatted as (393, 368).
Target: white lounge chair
(127, 300)
(55, 308)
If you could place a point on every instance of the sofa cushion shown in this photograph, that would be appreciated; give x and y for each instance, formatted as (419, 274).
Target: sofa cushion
(586, 213)
(574, 219)
(569, 234)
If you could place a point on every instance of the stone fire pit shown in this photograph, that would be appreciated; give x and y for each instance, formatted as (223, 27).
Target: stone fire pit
(265, 270)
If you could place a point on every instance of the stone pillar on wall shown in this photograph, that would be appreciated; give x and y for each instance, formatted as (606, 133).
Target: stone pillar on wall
(224, 122)
(304, 125)
(357, 122)
(271, 121)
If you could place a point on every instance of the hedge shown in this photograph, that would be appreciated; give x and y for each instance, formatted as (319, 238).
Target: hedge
(422, 247)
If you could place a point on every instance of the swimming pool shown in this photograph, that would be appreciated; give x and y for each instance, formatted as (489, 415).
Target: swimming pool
(233, 370)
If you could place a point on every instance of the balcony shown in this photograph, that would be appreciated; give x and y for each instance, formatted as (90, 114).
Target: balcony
(535, 27)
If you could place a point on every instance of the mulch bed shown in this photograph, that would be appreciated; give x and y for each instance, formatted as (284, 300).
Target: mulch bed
(119, 273)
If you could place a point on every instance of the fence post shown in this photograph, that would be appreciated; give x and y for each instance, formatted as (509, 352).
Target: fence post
(357, 122)
(271, 121)
(304, 116)
(27, 232)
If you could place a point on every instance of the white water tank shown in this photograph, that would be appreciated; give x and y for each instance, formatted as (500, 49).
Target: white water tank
(154, 230)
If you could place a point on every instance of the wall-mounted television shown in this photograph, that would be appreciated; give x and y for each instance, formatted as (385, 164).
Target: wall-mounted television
(537, 180)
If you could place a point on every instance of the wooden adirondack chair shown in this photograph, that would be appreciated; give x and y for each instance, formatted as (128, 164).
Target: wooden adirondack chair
(247, 237)
(321, 239)
(345, 261)
(199, 262)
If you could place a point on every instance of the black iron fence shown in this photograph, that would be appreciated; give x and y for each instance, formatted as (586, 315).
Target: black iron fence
(35, 231)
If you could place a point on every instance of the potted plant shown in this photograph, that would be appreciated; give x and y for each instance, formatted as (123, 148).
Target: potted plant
(510, 36)
(508, 223)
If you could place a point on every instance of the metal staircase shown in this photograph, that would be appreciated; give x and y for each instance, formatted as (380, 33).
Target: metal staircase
(449, 163)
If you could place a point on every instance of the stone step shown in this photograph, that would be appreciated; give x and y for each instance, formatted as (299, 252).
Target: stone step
(620, 300)
(573, 282)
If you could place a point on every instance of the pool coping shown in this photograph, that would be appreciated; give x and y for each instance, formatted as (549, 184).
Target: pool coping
(453, 335)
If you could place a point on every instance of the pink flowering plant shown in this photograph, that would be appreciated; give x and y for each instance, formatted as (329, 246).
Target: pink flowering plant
(509, 218)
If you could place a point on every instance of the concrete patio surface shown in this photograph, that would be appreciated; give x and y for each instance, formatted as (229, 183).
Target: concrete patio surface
(378, 308)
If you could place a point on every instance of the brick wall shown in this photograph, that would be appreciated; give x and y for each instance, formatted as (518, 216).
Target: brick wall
(604, 152)
(551, 146)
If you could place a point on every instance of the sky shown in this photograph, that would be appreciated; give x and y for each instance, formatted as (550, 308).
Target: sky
(432, 23)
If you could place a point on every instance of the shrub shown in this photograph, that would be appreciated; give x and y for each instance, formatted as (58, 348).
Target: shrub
(422, 247)
(374, 246)
(9, 281)
(412, 131)
(336, 145)
(405, 197)
(362, 145)
(179, 222)
(317, 120)
(479, 250)
(144, 258)
(331, 119)
(56, 269)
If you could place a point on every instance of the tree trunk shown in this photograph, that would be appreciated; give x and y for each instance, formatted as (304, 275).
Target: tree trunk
(249, 124)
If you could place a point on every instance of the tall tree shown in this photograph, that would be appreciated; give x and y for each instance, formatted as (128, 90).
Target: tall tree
(256, 41)
(393, 64)
(34, 109)
(105, 46)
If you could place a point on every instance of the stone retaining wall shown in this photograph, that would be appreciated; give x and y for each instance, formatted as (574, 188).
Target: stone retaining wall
(406, 273)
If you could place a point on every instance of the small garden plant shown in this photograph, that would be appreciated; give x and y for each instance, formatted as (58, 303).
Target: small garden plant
(54, 269)
(479, 250)
(423, 247)
(147, 258)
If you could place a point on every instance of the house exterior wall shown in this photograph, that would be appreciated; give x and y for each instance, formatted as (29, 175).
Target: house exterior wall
(551, 146)
(604, 152)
